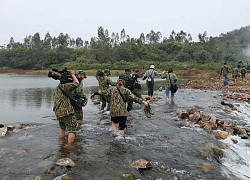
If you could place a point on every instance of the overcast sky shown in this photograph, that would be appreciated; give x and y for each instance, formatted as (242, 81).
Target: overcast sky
(81, 18)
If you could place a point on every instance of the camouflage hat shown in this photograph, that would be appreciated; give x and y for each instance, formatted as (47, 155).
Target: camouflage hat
(82, 73)
(121, 80)
(107, 71)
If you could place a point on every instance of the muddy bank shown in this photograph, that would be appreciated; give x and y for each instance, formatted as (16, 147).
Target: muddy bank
(173, 147)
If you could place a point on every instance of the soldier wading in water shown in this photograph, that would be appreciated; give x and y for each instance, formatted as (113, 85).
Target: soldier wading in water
(119, 96)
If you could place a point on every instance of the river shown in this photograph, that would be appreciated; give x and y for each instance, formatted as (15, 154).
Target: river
(173, 146)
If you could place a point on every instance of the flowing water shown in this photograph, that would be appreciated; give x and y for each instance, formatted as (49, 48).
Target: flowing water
(173, 146)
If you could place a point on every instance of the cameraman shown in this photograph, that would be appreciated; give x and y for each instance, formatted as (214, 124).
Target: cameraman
(64, 110)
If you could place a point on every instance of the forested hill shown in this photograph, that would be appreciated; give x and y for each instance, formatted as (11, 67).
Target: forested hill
(118, 49)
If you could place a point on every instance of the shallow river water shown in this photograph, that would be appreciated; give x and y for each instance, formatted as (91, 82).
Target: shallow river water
(174, 148)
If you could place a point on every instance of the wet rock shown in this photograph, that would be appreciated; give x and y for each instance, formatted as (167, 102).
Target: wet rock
(3, 131)
(196, 117)
(205, 116)
(141, 164)
(183, 115)
(33, 178)
(192, 110)
(1, 125)
(18, 126)
(128, 176)
(226, 103)
(65, 162)
(207, 166)
(212, 122)
(221, 134)
(62, 177)
(105, 120)
(243, 134)
(234, 141)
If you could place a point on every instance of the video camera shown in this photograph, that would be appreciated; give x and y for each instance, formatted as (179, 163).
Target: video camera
(63, 75)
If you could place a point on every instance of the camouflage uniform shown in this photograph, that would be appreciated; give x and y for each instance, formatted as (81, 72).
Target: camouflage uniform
(236, 73)
(224, 72)
(117, 104)
(129, 82)
(168, 77)
(62, 107)
(104, 82)
(79, 112)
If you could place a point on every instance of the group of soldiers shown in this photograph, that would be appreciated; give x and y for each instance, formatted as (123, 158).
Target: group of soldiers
(239, 71)
(131, 82)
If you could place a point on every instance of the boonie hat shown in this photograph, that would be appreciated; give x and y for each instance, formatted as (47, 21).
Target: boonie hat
(82, 73)
(107, 71)
(152, 67)
(121, 80)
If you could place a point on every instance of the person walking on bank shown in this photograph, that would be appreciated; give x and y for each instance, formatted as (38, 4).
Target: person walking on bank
(224, 71)
(104, 83)
(118, 111)
(236, 74)
(63, 109)
(149, 76)
(243, 72)
(171, 79)
(80, 93)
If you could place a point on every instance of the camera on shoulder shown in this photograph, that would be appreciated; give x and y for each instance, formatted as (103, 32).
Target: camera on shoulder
(63, 75)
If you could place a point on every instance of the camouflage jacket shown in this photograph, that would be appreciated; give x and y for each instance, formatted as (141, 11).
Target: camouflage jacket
(172, 76)
(104, 82)
(224, 70)
(79, 90)
(129, 80)
(62, 106)
(117, 105)
(236, 71)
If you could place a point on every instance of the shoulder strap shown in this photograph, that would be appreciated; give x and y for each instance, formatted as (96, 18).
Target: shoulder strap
(121, 95)
(150, 75)
(64, 92)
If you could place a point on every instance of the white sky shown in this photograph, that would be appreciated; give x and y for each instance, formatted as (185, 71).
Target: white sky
(81, 18)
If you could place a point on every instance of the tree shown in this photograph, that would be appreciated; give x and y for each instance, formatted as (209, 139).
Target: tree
(79, 42)
(36, 41)
(203, 37)
(141, 39)
(123, 35)
(153, 37)
(47, 42)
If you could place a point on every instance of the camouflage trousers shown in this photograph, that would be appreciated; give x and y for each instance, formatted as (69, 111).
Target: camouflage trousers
(68, 123)
(79, 116)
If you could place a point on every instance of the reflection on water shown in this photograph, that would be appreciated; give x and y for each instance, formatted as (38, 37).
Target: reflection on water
(29, 98)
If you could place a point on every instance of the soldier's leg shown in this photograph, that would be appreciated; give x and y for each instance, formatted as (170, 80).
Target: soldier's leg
(103, 101)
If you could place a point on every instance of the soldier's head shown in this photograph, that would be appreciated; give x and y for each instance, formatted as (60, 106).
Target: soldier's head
(170, 70)
(81, 75)
(120, 82)
(107, 72)
(127, 70)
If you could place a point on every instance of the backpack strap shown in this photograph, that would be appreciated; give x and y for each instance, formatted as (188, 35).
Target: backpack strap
(121, 95)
